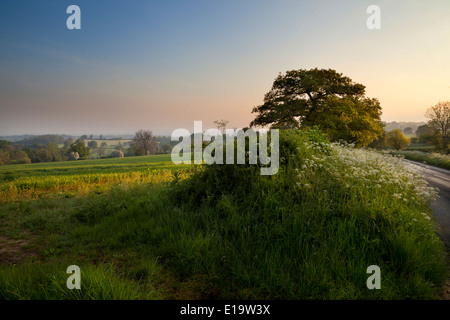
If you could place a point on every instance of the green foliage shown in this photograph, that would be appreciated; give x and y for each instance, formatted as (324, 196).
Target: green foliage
(166, 148)
(311, 237)
(408, 130)
(324, 98)
(238, 179)
(354, 120)
(131, 151)
(4, 157)
(48, 153)
(10, 154)
(379, 142)
(15, 156)
(81, 148)
(68, 142)
(42, 140)
(38, 281)
(4, 143)
(426, 134)
(439, 116)
(308, 232)
(93, 144)
(397, 139)
(424, 129)
(431, 158)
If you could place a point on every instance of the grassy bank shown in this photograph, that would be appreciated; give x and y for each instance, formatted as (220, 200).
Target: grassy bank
(434, 159)
(225, 231)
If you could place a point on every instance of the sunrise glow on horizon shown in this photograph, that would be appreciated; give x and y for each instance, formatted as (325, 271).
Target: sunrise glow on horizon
(161, 66)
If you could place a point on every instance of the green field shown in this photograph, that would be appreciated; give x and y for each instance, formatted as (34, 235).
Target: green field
(38, 179)
(143, 228)
(110, 147)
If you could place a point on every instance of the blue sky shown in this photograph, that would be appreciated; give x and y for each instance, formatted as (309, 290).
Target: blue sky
(160, 65)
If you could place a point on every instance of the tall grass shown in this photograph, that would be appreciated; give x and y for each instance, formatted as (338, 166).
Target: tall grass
(312, 231)
(434, 159)
(39, 281)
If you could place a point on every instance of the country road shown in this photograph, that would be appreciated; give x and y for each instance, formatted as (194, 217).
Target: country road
(438, 178)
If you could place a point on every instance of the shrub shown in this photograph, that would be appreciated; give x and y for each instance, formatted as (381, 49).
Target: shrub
(74, 156)
(397, 139)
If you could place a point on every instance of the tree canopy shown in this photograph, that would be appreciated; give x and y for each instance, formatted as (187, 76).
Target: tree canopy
(93, 144)
(397, 139)
(321, 97)
(439, 116)
(426, 134)
(81, 148)
(408, 130)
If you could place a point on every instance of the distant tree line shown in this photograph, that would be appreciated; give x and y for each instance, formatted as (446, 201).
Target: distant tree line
(39, 141)
(38, 149)
(24, 152)
(439, 122)
(403, 125)
(434, 133)
(50, 148)
(10, 154)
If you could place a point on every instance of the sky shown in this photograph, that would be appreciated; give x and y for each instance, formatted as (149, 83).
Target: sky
(161, 65)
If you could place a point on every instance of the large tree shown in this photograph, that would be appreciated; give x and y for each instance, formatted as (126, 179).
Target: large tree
(321, 97)
(144, 142)
(81, 148)
(439, 116)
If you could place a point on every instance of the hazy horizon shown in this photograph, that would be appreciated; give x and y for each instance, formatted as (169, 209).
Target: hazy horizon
(122, 134)
(161, 66)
